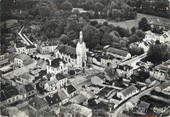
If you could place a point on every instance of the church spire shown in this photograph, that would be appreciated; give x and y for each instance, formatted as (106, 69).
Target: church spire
(81, 37)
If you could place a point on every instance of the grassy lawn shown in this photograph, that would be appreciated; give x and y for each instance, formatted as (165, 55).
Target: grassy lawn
(131, 23)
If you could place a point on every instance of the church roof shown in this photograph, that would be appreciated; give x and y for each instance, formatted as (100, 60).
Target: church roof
(65, 49)
(56, 62)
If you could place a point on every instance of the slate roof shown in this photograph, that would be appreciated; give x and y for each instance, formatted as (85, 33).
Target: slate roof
(23, 57)
(8, 92)
(38, 103)
(30, 46)
(65, 49)
(129, 90)
(117, 51)
(20, 45)
(29, 88)
(104, 91)
(54, 99)
(70, 89)
(60, 76)
(56, 62)
(143, 104)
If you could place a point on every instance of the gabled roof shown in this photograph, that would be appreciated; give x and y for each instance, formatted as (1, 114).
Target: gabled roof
(54, 99)
(117, 51)
(143, 104)
(38, 103)
(23, 57)
(56, 62)
(31, 46)
(129, 90)
(70, 89)
(62, 94)
(29, 88)
(60, 76)
(65, 49)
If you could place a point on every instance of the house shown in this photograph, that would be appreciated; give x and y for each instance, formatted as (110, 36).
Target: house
(46, 48)
(9, 95)
(76, 109)
(25, 79)
(4, 60)
(71, 90)
(118, 53)
(30, 90)
(108, 58)
(128, 92)
(142, 108)
(23, 49)
(55, 82)
(37, 106)
(35, 71)
(163, 87)
(56, 66)
(75, 57)
(106, 92)
(159, 72)
(22, 60)
(165, 38)
(63, 96)
(53, 100)
(125, 71)
(78, 99)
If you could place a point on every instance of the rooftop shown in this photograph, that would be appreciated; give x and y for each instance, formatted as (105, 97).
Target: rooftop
(70, 89)
(30, 46)
(129, 90)
(53, 99)
(38, 103)
(117, 51)
(60, 76)
(56, 62)
(29, 88)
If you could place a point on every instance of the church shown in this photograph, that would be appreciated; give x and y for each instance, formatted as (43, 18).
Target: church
(69, 57)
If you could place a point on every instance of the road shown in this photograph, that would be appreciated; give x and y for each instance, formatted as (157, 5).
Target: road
(134, 99)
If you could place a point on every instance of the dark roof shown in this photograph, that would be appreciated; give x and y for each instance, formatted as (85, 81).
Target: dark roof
(19, 45)
(29, 88)
(60, 76)
(65, 49)
(129, 90)
(38, 103)
(54, 99)
(104, 91)
(8, 92)
(30, 46)
(56, 62)
(70, 89)
(125, 67)
(143, 104)
(117, 51)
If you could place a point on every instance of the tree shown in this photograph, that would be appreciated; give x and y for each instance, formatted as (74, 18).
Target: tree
(64, 39)
(136, 50)
(143, 24)
(140, 34)
(123, 32)
(92, 36)
(98, 6)
(133, 38)
(71, 72)
(133, 30)
(158, 53)
(66, 6)
(6, 9)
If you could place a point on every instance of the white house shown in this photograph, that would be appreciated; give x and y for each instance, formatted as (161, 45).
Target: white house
(125, 70)
(128, 92)
(55, 82)
(165, 38)
(22, 60)
(23, 49)
(56, 66)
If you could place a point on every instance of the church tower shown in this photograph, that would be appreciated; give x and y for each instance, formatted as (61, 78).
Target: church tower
(81, 52)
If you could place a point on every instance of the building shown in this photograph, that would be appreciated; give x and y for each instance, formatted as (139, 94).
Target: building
(37, 107)
(76, 109)
(142, 108)
(22, 60)
(56, 66)
(75, 57)
(165, 38)
(53, 100)
(128, 92)
(23, 49)
(4, 60)
(71, 90)
(122, 54)
(163, 87)
(46, 48)
(30, 90)
(125, 71)
(55, 82)
(25, 79)
(9, 95)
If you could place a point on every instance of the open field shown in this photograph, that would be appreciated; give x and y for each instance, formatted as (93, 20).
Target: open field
(131, 23)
